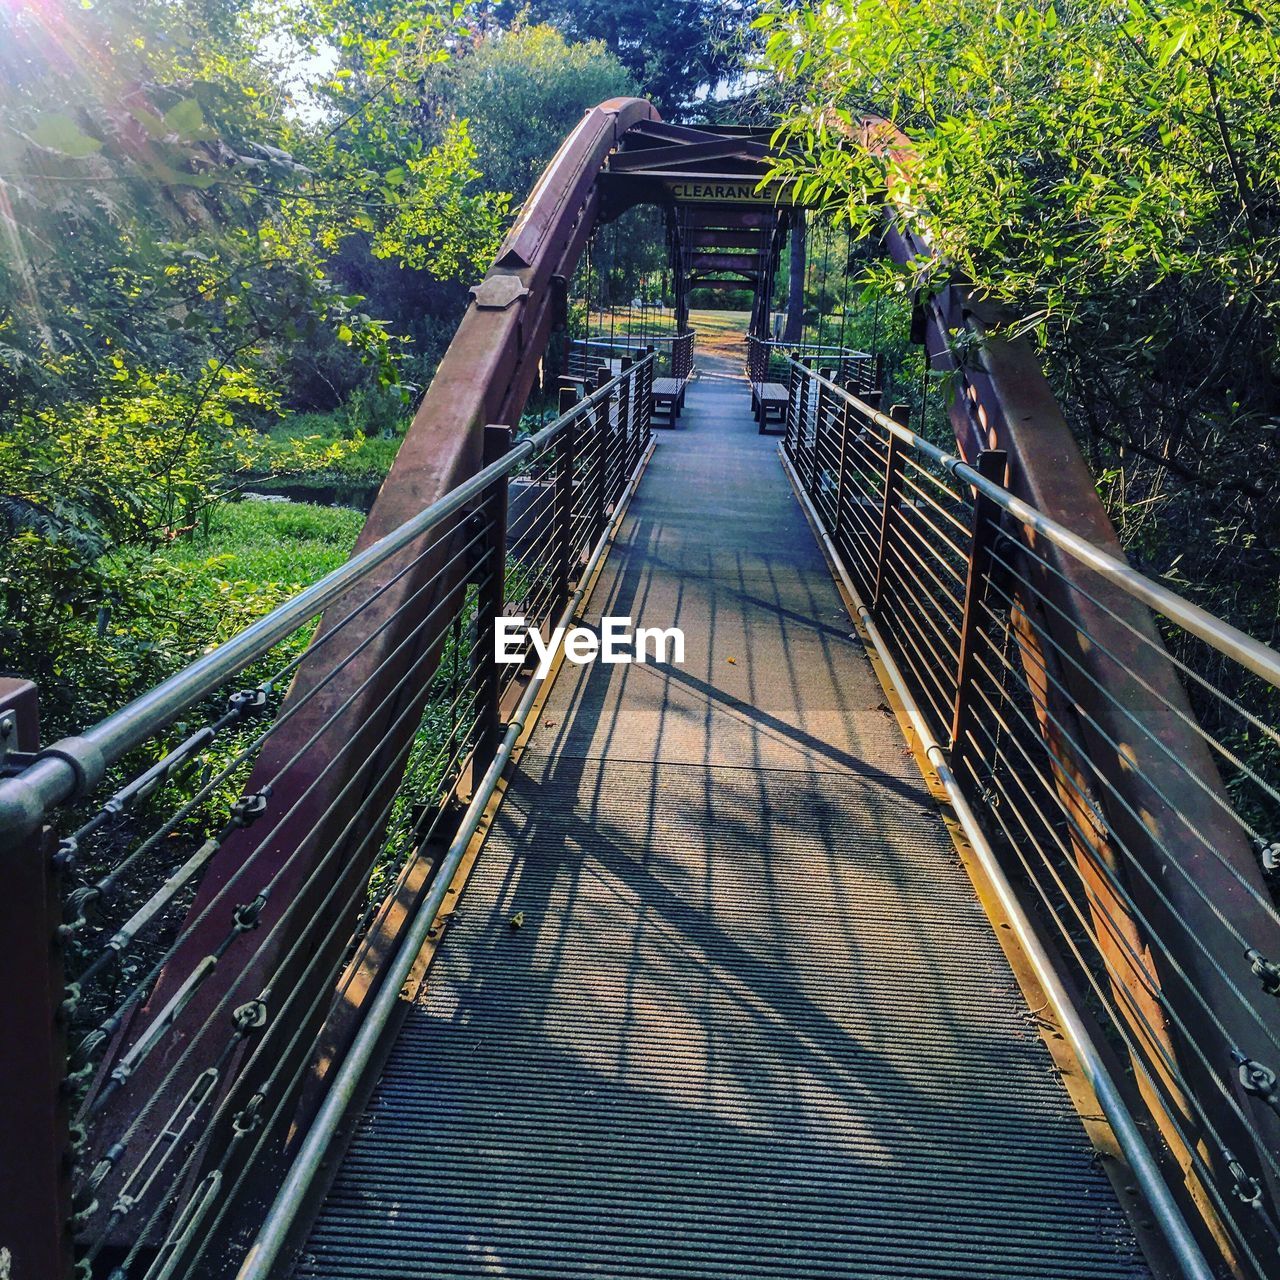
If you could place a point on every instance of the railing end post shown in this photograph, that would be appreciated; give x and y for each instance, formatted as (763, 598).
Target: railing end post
(35, 1135)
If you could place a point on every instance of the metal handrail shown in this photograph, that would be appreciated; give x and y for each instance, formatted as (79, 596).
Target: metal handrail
(74, 765)
(814, 347)
(263, 1256)
(1253, 654)
(1186, 1251)
(629, 340)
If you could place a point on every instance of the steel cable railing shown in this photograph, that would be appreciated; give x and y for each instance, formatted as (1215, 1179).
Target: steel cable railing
(673, 353)
(234, 856)
(768, 360)
(1118, 748)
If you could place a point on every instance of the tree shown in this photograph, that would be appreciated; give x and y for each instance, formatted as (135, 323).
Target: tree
(171, 221)
(521, 91)
(1111, 174)
(669, 46)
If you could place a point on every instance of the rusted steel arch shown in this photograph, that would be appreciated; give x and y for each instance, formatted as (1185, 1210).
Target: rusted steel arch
(1004, 401)
(485, 377)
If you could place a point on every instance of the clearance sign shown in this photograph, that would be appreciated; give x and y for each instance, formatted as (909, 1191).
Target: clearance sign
(719, 191)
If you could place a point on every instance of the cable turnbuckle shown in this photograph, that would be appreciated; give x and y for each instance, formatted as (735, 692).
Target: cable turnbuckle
(1245, 1187)
(249, 1119)
(1258, 1080)
(248, 915)
(250, 1016)
(247, 702)
(1268, 971)
(67, 854)
(248, 809)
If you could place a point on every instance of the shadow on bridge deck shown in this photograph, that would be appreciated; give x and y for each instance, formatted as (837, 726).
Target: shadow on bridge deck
(755, 1023)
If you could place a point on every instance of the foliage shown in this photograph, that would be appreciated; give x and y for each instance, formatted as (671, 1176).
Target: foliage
(669, 46)
(158, 607)
(522, 91)
(1109, 173)
(173, 209)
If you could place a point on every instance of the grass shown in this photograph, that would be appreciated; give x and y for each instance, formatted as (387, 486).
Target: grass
(278, 545)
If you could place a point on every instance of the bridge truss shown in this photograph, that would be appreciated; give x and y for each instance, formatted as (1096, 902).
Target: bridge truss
(198, 993)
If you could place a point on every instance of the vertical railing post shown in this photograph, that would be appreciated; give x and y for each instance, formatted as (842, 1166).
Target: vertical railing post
(900, 413)
(990, 464)
(35, 1141)
(600, 467)
(566, 460)
(821, 409)
(626, 412)
(647, 423)
(491, 600)
(624, 426)
(842, 469)
(643, 408)
(790, 443)
(802, 414)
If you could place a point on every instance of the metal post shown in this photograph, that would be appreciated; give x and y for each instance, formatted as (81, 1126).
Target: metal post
(901, 414)
(793, 393)
(566, 457)
(625, 399)
(644, 406)
(35, 1142)
(990, 464)
(600, 467)
(842, 471)
(821, 410)
(802, 415)
(492, 598)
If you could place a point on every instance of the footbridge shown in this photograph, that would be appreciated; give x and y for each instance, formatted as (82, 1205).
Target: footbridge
(901, 909)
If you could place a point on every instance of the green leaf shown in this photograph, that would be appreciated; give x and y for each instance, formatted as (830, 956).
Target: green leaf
(185, 119)
(62, 134)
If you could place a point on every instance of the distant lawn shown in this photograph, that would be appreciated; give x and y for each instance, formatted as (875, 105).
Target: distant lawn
(255, 554)
(622, 323)
(278, 545)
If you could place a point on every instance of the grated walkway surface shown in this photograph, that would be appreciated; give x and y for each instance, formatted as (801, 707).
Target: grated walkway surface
(755, 1023)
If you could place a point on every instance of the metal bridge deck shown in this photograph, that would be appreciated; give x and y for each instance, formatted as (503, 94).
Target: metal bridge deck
(755, 1022)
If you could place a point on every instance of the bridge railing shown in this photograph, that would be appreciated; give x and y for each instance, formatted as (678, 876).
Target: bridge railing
(673, 354)
(769, 360)
(1116, 750)
(202, 949)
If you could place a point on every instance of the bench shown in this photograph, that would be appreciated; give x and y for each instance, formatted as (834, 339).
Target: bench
(769, 403)
(668, 400)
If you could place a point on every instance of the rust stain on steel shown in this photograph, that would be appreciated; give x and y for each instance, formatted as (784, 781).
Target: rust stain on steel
(1007, 403)
(485, 376)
